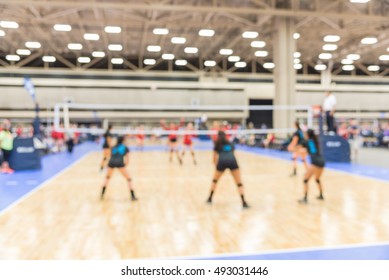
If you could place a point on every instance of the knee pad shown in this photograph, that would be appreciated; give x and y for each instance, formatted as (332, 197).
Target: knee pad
(129, 180)
(214, 181)
(306, 181)
(108, 177)
(239, 185)
(105, 158)
(318, 181)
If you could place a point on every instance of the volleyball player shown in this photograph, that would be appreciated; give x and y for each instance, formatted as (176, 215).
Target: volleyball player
(188, 143)
(223, 159)
(140, 137)
(119, 159)
(173, 141)
(296, 149)
(316, 168)
(106, 146)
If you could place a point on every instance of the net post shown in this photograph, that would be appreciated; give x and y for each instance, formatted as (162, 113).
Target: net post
(310, 117)
(66, 121)
(57, 109)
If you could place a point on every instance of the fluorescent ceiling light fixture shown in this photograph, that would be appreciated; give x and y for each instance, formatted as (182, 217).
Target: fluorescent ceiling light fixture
(373, 68)
(250, 34)
(325, 56)
(348, 67)
(153, 48)
(149, 61)
(384, 57)
(240, 64)
(117, 60)
(206, 32)
(191, 50)
(33, 45)
(298, 66)
(74, 46)
(359, 1)
(161, 31)
(347, 61)
(62, 27)
(178, 40)
(83, 59)
(369, 40)
(226, 52)
(12, 57)
(49, 58)
(8, 24)
(261, 53)
(210, 63)
(113, 29)
(181, 62)
(269, 65)
(258, 44)
(297, 55)
(23, 52)
(91, 36)
(233, 58)
(115, 47)
(168, 56)
(353, 56)
(331, 38)
(330, 47)
(98, 54)
(320, 67)
(2, 33)
(296, 36)
(297, 61)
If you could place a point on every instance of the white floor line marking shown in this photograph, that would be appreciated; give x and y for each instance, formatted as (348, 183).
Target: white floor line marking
(11, 183)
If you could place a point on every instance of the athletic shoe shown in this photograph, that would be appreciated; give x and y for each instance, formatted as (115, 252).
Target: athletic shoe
(209, 200)
(245, 205)
(320, 197)
(303, 201)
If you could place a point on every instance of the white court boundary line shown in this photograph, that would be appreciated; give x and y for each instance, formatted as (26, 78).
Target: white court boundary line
(41, 186)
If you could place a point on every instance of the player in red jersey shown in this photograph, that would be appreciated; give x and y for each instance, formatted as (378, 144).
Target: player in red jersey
(188, 143)
(173, 141)
(140, 137)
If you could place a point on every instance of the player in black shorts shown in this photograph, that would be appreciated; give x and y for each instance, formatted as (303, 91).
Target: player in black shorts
(106, 146)
(296, 149)
(224, 158)
(311, 144)
(119, 160)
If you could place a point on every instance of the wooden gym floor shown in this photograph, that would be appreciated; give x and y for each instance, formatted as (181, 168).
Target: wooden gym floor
(66, 220)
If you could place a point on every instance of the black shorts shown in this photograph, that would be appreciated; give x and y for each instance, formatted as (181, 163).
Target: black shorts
(116, 163)
(173, 140)
(318, 161)
(6, 155)
(105, 146)
(223, 165)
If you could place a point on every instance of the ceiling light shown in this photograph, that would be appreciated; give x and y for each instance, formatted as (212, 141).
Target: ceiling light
(296, 36)
(209, 63)
(33, 45)
(240, 64)
(233, 58)
(153, 48)
(297, 55)
(49, 58)
(178, 40)
(91, 36)
(296, 60)
(74, 46)
(348, 67)
(8, 24)
(325, 56)
(320, 67)
(258, 44)
(83, 59)
(181, 62)
(98, 54)
(373, 68)
(161, 31)
(347, 61)
(384, 57)
(261, 53)
(113, 29)
(2, 33)
(149, 61)
(62, 27)
(12, 57)
(331, 38)
(298, 66)
(23, 52)
(226, 52)
(269, 65)
(206, 32)
(168, 56)
(117, 60)
(250, 34)
(369, 40)
(191, 50)
(359, 1)
(353, 56)
(330, 47)
(115, 47)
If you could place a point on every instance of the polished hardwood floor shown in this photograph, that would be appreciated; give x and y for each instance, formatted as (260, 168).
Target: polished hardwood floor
(66, 219)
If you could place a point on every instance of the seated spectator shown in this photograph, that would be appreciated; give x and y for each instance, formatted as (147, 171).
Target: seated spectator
(343, 131)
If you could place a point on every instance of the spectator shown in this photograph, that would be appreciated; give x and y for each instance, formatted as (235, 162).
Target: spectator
(6, 145)
(329, 106)
(355, 139)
